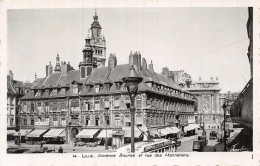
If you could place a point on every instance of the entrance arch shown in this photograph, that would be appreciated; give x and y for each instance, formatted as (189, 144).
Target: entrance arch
(74, 132)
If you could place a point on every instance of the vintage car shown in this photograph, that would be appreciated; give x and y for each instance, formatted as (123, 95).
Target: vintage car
(213, 135)
(197, 145)
(17, 150)
(203, 139)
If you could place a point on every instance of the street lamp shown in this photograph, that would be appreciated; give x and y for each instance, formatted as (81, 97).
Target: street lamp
(224, 106)
(131, 81)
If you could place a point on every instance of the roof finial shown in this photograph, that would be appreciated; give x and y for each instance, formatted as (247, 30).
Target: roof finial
(95, 11)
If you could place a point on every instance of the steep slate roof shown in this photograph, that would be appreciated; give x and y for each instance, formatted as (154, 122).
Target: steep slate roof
(99, 75)
(52, 79)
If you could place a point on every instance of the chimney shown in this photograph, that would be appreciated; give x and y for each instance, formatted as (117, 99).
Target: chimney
(64, 68)
(165, 72)
(135, 59)
(138, 60)
(50, 69)
(112, 61)
(47, 70)
(151, 66)
(131, 59)
(11, 76)
(144, 64)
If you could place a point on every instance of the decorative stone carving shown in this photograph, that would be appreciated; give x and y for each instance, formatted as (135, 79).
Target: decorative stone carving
(206, 99)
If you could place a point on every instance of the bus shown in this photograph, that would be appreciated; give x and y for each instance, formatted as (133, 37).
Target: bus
(152, 146)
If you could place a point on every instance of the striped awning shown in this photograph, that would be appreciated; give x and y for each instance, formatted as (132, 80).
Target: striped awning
(37, 132)
(191, 127)
(55, 133)
(137, 131)
(87, 133)
(11, 132)
(23, 132)
(105, 133)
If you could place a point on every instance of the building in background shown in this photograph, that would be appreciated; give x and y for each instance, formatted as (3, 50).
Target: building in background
(207, 93)
(92, 102)
(15, 90)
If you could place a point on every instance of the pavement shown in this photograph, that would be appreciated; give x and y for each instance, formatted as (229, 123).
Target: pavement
(67, 148)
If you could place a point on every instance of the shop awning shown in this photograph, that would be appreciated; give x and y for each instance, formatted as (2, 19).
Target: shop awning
(154, 132)
(166, 131)
(175, 130)
(11, 132)
(191, 127)
(138, 131)
(23, 132)
(37, 132)
(105, 133)
(55, 133)
(87, 133)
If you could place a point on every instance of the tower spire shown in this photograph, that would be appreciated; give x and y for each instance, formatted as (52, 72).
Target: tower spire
(57, 67)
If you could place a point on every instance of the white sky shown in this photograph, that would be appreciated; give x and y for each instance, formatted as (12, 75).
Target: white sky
(172, 37)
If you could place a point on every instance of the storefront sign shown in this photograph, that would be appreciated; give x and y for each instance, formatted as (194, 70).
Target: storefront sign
(41, 123)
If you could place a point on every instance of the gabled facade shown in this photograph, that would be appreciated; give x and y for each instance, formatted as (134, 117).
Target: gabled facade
(15, 90)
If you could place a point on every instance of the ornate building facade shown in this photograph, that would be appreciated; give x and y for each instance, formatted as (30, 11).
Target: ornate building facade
(15, 90)
(207, 93)
(84, 103)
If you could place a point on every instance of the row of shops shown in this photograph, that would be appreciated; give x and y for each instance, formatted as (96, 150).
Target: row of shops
(114, 137)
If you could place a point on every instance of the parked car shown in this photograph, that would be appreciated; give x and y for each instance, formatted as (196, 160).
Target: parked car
(203, 139)
(213, 135)
(17, 150)
(197, 145)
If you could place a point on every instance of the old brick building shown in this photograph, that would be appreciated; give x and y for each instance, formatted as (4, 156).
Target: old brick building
(69, 104)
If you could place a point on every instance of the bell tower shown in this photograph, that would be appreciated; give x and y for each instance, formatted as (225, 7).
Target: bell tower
(97, 42)
(87, 65)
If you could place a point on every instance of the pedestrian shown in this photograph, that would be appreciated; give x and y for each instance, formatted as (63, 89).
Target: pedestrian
(215, 149)
(41, 144)
(74, 151)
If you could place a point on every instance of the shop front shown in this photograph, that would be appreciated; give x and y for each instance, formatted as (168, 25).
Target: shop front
(36, 136)
(118, 138)
(55, 136)
(88, 135)
(105, 134)
(191, 129)
(139, 132)
(21, 133)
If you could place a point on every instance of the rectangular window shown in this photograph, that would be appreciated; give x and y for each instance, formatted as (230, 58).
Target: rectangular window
(55, 122)
(87, 121)
(97, 107)
(12, 111)
(32, 121)
(117, 122)
(96, 121)
(87, 106)
(47, 119)
(11, 122)
(63, 122)
(25, 121)
(128, 124)
(107, 104)
(117, 103)
(138, 103)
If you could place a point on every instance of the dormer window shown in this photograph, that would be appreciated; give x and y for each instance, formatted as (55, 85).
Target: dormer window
(97, 88)
(75, 89)
(39, 93)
